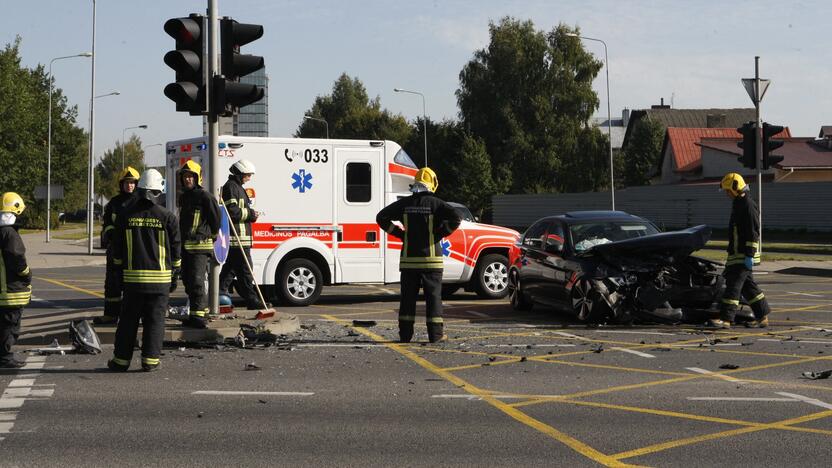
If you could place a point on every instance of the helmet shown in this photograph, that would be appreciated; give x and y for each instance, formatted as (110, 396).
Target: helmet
(128, 173)
(152, 180)
(12, 203)
(243, 166)
(733, 183)
(194, 167)
(425, 177)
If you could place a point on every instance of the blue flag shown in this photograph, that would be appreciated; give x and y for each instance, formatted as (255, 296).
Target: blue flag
(223, 242)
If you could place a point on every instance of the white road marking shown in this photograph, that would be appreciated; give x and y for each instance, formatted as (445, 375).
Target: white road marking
(739, 399)
(545, 345)
(478, 314)
(499, 397)
(714, 374)
(20, 389)
(569, 335)
(8, 415)
(633, 332)
(632, 351)
(803, 294)
(335, 345)
(22, 383)
(796, 341)
(49, 304)
(6, 427)
(804, 399)
(229, 392)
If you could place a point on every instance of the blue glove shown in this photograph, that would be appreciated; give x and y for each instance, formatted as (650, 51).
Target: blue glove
(749, 263)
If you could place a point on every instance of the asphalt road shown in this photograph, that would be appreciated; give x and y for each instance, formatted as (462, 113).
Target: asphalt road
(536, 389)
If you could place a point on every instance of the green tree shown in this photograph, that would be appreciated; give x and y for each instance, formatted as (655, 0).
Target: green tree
(643, 153)
(350, 113)
(110, 166)
(528, 95)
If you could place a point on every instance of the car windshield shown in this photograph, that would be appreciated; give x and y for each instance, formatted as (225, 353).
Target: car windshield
(403, 159)
(587, 235)
(464, 212)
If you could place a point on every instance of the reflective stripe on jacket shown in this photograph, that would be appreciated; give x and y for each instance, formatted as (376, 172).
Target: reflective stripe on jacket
(240, 211)
(743, 231)
(15, 276)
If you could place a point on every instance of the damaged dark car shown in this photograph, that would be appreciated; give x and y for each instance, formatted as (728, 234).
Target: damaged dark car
(613, 267)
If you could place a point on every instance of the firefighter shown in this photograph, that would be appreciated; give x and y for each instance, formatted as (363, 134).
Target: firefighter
(15, 279)
(426, 220)
(127, 181)
(743, 254)
(146, 246)
(241, 214)
(199, 221)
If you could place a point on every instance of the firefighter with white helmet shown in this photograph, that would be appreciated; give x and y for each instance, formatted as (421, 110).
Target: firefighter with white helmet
(743, 255)
(16, 279)
(241, 214)
(426, 220)
(127, 180)
(146, 246)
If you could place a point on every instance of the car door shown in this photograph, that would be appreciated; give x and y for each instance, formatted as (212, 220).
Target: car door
(531, 254)
(554, 270)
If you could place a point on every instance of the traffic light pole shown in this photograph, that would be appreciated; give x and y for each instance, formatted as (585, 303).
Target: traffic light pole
(213, 146)
(759, 150)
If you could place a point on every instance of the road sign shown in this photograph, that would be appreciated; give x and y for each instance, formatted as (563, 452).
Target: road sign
(750, 88)
(57, 192)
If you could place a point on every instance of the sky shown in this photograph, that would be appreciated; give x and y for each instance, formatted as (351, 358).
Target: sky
(691, 53)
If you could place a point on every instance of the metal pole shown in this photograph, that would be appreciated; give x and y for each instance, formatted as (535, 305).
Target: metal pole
(122, 149)
(213, 137)
(49, 160)
(91, 173)
(425, 124)
(609, 127)
(759, 149)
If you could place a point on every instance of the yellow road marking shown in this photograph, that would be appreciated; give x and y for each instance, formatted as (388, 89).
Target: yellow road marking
(800, 309)
(516, 414)
(602, 366)
(69, 286)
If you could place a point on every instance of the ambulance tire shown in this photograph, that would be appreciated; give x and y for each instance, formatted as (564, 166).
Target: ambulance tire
(299, 283)
(490, 279)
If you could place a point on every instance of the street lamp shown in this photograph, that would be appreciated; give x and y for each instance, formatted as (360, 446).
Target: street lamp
(112, 93)
(307, 117)
(49, 146)
(609, 115)
(424, 117)
(142, 126)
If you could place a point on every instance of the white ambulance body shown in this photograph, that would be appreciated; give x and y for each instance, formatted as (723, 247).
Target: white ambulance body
(318, 201)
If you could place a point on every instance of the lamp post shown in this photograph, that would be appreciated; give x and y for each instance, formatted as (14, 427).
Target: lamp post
(113, 93)
(91, 144)
(142, 126)
(609, 114)
(307, 117)
(49, 146)
(424, 117)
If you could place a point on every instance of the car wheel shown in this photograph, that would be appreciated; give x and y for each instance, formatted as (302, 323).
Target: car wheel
(518, 298)
(299, 282)
(491, 277)
(587, 304)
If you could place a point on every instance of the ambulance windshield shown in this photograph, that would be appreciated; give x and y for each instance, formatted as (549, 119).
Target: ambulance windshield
(403, 159)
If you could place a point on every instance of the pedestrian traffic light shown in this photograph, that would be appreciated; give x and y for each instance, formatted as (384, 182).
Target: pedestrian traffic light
(748, 145)
(769, 145)
(188, 92)
(229, 93)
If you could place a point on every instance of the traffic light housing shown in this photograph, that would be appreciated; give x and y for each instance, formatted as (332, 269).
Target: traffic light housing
(748, 145)
(229, 93)
(770, 145)
(188, 92)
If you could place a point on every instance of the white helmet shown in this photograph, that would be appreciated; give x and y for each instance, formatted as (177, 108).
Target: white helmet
(243, 166)
(151, 179)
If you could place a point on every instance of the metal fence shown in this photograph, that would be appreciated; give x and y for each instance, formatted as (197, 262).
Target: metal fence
(796, 206)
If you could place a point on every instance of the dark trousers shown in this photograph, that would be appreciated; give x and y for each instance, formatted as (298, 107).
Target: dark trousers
(431, 282)
(113, 287)
(194, 274)
(235, 266)
(150, 309)
(740, 281)
(9, 331)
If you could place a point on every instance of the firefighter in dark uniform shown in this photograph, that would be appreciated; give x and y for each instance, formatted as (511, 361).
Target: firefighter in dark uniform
(743, 254)
(199, 221)
(426, 220)
(127, 181)
(146, 245)
(241, 215)
(15, 279)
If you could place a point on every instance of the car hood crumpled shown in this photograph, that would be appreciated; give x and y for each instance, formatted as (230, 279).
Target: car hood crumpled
(666, 244)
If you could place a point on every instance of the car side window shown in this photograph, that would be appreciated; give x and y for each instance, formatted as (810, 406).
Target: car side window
(555, 237)
(534, 235)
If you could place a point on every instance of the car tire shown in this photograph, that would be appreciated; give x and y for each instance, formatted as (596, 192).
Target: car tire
(299, 282)
(491, 277)
(586, 302)
(518, 298)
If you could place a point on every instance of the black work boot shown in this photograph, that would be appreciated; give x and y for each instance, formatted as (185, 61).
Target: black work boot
(195, 322)
(11, 364)
(115, 367)
(405, 333)
(436, 333)
(149, 367)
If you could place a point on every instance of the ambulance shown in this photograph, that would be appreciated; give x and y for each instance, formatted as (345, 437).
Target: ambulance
(318, 199)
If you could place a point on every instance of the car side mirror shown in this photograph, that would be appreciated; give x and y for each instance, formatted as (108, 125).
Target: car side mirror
(554, 244)
(533, 243)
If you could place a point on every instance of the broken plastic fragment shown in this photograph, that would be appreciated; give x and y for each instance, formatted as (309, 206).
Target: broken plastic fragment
(729, 366)
(84, 337)
(364, 323)
(817, 375)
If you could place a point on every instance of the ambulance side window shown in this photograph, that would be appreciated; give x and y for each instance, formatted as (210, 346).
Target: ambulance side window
(359, 182)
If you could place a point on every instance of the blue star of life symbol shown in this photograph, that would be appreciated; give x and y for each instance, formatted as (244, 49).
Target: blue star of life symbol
(302, 181)
(446, 247)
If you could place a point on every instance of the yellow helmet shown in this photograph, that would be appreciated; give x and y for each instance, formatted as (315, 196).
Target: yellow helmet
(192, 166)
(128, 173)
(733, 183)
(426, 177)
(12, 203)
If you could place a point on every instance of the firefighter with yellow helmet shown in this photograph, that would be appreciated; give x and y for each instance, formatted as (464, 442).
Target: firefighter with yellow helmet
(426, 220)
(15, 279)
(743, 255)
(127, 180)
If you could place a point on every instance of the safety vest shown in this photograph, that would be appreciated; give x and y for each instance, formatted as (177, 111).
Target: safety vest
(199, 220)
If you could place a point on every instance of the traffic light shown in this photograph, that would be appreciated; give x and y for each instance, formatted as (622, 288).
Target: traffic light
(188, 92)
(748, 145)
(229, 93)
(769, 145)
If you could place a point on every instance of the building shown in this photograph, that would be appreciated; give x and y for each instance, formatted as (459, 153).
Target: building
(618, 127)
(251, 120)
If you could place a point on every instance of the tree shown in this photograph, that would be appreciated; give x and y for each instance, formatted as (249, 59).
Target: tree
(643, 153)
(350, 113)
(109, 168)
(528, 95)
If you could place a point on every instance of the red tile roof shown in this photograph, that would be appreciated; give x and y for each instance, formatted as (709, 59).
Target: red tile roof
(798, 153)
(683, 142)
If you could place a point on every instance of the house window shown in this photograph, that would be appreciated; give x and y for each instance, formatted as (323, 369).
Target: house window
(359, 182)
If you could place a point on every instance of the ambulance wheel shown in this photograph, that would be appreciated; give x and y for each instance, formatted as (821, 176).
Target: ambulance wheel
(491, 277)
(299, 282)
